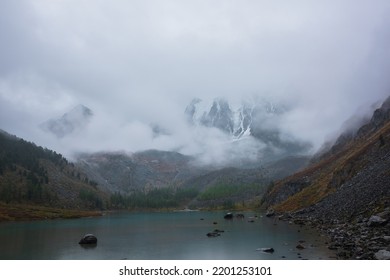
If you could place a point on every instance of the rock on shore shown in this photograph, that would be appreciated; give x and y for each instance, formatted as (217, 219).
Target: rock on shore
(364, 238)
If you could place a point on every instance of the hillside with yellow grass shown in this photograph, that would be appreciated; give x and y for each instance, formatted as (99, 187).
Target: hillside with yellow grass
(345, 191)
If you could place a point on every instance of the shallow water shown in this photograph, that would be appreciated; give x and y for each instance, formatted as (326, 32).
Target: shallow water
(168, 236)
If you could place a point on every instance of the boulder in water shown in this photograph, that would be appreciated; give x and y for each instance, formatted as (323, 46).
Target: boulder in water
(88, 239)
(266, 250)
(213, 234)
(270, 213)
(228, 216)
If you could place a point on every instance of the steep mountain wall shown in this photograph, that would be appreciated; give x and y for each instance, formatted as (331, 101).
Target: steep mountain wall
(345, 193)
(349, 180)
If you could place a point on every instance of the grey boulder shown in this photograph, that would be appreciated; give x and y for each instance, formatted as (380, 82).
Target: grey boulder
(382, 255)
(88, 239)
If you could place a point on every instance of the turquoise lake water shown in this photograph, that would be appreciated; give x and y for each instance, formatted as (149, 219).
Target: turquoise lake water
(167, 236)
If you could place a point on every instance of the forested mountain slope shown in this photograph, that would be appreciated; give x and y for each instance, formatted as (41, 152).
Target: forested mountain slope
(33, 175)
(347, 182)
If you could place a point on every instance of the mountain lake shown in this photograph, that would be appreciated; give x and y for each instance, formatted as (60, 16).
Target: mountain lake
(178, 235)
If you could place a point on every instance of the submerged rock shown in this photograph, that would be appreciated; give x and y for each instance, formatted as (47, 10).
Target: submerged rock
(88, 239)
(213, 234)
(266, 250)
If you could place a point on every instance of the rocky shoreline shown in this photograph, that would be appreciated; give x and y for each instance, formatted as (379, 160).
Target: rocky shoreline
(361, 239)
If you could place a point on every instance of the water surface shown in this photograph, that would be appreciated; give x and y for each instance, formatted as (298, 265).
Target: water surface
(169, 236)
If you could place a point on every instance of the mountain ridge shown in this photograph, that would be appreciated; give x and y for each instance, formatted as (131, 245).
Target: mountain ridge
(345, 192)
(334, 167)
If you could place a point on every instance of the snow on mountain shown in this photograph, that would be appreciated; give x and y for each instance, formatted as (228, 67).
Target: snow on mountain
(236, 121)
(255, 119)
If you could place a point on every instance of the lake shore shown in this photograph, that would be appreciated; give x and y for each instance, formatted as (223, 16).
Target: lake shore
(361, 239)
(25, 212)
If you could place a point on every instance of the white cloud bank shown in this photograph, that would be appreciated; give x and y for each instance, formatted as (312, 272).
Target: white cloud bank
(136, 63)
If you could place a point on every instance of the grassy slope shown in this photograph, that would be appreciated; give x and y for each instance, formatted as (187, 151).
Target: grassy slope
(22, 212)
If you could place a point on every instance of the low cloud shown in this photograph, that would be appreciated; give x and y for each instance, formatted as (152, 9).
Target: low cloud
(138, 64)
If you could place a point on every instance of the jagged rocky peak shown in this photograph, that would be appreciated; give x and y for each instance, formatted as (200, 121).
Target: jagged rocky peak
(75, 119)
(217, 113)
(219, 116)
(235, 120)
(249, 119)
(191, 110)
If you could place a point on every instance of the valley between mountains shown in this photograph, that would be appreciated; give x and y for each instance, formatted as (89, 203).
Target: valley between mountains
(342, 190)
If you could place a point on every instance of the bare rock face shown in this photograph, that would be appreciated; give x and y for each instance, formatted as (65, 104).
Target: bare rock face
(88, 239)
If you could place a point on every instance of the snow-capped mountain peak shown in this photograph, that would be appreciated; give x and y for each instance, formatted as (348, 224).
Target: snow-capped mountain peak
(236, 121)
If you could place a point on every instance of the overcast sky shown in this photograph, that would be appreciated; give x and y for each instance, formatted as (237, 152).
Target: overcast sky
(140, 62)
